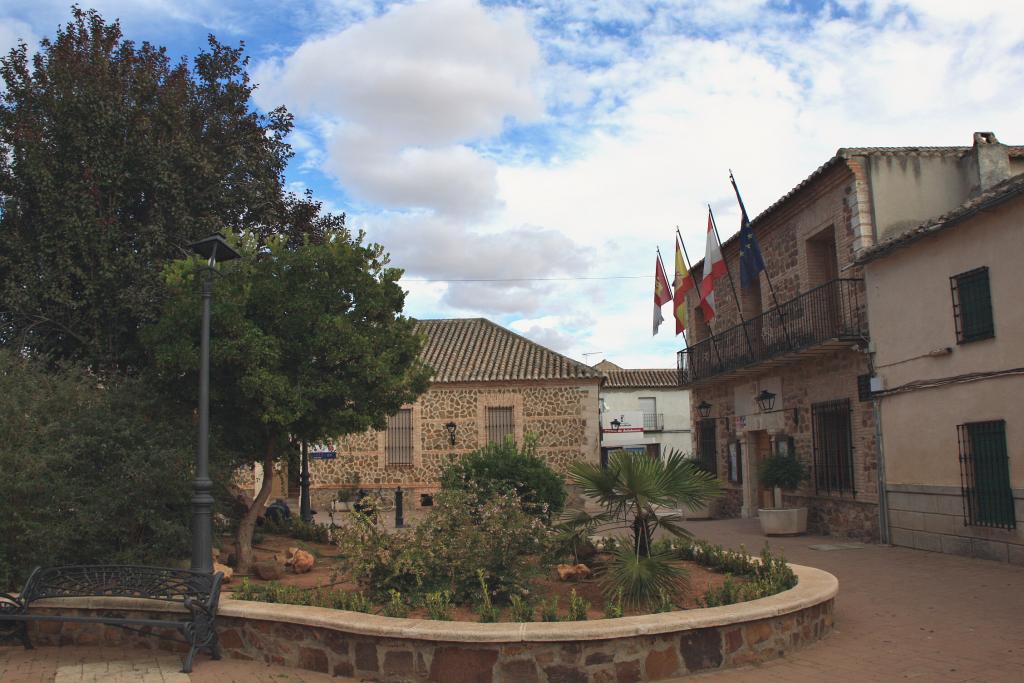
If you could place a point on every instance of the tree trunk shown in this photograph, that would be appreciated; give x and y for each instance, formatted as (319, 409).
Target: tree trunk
(246, 527)
(641, 535)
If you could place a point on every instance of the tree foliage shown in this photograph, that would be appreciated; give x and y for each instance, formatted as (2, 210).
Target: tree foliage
(92, 473)
(308, 342)
(501, 467)
(112, 158)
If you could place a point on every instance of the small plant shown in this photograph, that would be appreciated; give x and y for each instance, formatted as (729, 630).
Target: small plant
(395, 606)
(439, 605)
(521, 610)
(665, 602)
(727, 594)
(549, 610)
(577, 607)
(358, 602)
(487, 611)
(613, 607)
(348, 494)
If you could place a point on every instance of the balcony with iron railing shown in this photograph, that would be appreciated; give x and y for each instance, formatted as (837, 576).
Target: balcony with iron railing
(654, 422)
(829, 315)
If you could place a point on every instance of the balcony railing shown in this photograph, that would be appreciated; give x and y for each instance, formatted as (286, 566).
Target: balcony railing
(654, 422)
(833, 310)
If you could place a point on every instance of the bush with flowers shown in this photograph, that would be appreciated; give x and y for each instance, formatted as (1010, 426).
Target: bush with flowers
(468, 530)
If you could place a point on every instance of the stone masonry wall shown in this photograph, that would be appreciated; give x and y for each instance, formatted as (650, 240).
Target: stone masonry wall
(400, 660)
(562, 416)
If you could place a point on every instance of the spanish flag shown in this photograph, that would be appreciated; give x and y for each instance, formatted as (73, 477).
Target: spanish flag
(682, 284)
(662, 292)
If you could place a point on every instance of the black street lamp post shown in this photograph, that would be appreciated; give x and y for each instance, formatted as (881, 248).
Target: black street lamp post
(211, 248)
(305, 509)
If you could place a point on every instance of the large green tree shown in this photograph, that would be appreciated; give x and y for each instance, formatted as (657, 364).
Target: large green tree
(308, 342)
(112, 157)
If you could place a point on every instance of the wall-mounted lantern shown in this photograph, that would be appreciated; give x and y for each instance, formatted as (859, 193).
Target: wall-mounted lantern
(451, 427)
(704, 409)
(765, 400)
(616, 424)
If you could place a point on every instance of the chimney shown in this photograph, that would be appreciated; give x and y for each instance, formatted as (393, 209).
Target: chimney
(992, 160)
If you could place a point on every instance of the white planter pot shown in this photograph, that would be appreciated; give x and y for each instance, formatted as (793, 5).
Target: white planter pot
(783, 522)
(341, 506)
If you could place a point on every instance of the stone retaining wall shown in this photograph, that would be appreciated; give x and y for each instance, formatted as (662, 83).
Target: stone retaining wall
(645, 648)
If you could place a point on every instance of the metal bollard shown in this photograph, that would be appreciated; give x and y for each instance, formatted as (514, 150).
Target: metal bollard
(399, 512)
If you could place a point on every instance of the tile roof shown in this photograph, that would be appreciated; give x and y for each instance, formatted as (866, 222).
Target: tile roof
(641, 378)
(995, 195)
(478, 350)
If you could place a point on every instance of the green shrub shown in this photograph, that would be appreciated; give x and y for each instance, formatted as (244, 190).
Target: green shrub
(785, 471)
(465, 531)
(643, 579)
(521, 610)
(275, 592)
(499, 468)
(613, 606)
(439, 605)
(549, 609)
(395, 606)
(91, 473)
(577, 607)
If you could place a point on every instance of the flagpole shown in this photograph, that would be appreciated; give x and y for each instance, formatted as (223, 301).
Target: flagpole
(696, 289)
(732, 284)
(771, 287)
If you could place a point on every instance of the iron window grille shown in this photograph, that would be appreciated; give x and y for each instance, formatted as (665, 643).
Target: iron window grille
(832, 439)
(707, 445)
(972, 306)
(399, 439)
(500, 424)
(985, 475)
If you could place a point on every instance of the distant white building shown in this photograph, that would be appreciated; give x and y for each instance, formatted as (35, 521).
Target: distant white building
(644, 410)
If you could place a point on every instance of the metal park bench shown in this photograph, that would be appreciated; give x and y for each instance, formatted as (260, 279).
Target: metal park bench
(197, 592)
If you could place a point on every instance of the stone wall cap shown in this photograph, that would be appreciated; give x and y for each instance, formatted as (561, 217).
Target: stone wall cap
(814, 587)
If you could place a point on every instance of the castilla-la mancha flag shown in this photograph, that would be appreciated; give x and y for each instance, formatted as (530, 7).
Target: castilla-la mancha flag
(662, 292)
(683, 283)
(714, 268)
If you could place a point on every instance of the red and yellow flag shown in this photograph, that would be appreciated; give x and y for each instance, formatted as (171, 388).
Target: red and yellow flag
(682, 284)
(662, 292)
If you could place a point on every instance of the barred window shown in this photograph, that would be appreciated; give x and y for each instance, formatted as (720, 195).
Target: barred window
(707, 445)
(833, 447)
(985, 475)
(500, 424)
(972, 306)
(399, 439)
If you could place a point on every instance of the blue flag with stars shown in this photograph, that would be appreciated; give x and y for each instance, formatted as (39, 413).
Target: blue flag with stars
(751, 262)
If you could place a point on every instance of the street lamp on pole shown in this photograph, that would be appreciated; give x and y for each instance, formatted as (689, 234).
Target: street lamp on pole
(214, 248)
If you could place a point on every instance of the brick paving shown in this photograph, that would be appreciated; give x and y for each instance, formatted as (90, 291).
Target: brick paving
(901, 615)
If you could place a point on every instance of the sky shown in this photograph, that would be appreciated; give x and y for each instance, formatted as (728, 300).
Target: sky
(523, 160)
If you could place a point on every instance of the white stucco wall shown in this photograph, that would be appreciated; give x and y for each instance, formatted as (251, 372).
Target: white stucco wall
(673, 404)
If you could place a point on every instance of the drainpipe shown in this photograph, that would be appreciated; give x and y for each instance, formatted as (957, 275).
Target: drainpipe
(883, 496)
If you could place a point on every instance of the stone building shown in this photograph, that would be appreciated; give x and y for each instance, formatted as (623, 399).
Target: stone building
(946, 318)
(657, 396)
(808, 356)
(488, 383)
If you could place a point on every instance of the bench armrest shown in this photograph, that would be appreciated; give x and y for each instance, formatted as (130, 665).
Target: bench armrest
(11, 604)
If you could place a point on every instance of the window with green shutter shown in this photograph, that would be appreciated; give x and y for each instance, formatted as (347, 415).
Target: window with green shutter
(985, 475)
(972, 306)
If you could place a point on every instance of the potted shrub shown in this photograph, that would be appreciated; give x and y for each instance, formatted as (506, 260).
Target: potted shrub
(782, 472)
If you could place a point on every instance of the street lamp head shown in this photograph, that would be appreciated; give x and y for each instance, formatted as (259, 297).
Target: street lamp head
(451, 427)
(615, 425)
(765, 400)
(704, 409)
(214, 249)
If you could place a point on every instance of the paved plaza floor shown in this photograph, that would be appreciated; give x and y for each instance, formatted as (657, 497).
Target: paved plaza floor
(901, 615)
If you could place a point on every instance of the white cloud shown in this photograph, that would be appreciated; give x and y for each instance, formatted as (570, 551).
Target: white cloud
(405, 90)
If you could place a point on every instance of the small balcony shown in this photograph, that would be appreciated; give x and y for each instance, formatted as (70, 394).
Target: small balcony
(654, 422)
(831, 315)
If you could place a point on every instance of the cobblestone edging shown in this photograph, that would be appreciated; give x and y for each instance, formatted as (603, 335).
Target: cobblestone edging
(631, 649)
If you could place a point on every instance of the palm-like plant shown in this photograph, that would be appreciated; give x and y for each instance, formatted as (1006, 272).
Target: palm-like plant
(640, 495)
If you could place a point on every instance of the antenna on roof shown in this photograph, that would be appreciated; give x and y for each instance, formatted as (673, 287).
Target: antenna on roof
(591, 353)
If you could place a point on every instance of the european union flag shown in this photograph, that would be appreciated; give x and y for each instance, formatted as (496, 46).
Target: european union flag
(751, 262)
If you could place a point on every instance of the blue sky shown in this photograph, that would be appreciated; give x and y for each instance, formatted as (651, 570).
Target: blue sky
(554, 139)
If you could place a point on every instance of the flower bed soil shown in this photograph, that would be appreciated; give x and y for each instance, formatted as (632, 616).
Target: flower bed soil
(327, 573)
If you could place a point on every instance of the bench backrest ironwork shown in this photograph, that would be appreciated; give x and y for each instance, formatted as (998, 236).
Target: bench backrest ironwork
(124, 581)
